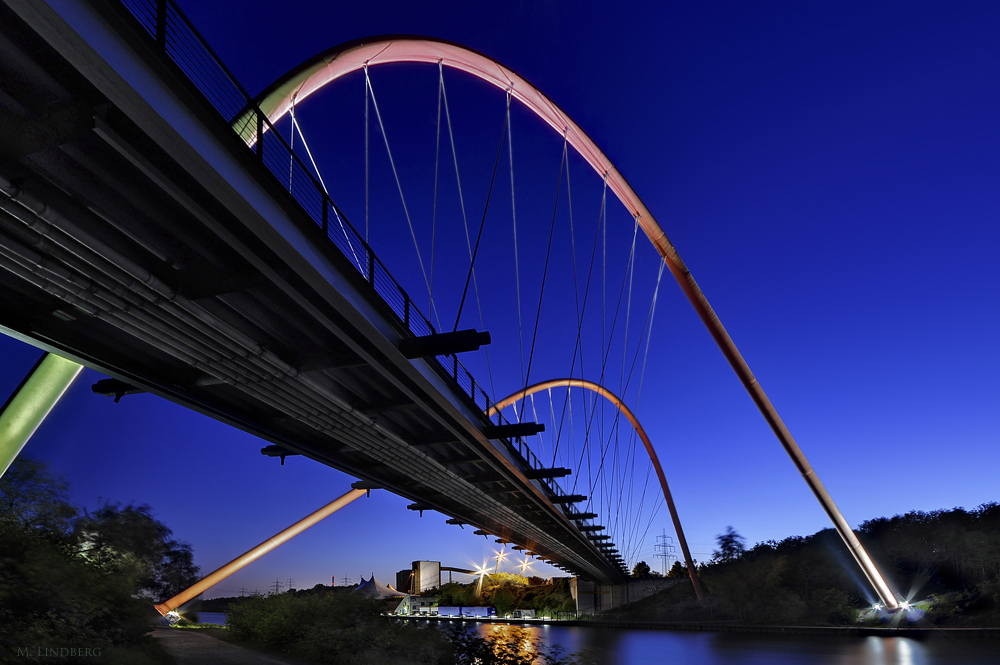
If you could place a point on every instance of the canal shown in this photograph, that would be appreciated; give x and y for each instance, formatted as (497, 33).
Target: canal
(614, 646)
(619, 646)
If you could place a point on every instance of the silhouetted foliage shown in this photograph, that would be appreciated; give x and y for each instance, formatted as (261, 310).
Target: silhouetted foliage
(515, 592)
(35, 499)
(55, 591)
(129, 542)
(502, 598)
(641, 569)
(347, 629)
(498, 579)
(951, 557)
(454, 594)
(49, 595)
(677, 570)
(731, 546)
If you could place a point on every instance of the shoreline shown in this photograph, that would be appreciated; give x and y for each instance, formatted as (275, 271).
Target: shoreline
(721, 627)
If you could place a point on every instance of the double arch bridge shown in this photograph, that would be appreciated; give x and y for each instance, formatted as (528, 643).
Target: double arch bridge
(150, 229)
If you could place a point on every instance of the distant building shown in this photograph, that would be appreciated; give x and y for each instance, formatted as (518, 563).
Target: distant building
(403, 579)
(417, 605)
(426, 576)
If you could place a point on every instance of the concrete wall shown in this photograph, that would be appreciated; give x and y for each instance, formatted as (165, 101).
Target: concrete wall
(593, 598)
(426, 575)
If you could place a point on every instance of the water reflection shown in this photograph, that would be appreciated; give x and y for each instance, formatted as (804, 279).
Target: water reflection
(642, 647)
(890, 651)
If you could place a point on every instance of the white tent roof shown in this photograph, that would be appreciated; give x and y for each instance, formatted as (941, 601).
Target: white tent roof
(376, 589)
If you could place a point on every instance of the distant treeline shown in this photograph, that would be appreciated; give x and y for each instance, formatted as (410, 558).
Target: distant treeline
(348, 629)
(504, 591)
(222, 603)
(949, 557)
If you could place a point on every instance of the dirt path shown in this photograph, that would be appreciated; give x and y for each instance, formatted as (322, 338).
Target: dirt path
(190, 647)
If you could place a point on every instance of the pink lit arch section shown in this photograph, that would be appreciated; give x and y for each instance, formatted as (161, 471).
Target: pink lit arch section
(339, 61)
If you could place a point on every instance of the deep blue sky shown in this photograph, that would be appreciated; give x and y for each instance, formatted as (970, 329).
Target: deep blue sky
(830, 176)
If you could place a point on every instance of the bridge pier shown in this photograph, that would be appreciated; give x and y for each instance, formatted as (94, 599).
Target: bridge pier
(31, 403)
(595, 598)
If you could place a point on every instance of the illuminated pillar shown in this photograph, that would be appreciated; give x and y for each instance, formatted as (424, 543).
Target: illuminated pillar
(31, 402)
(252, 555)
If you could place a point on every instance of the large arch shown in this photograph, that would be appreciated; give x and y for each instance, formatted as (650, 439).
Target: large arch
(312, 75)
(653, 457)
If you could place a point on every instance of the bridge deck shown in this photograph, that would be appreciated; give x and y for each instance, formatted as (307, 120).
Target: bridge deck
(140, 236)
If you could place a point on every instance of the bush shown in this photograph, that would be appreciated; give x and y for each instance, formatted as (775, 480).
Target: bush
(50, 596)
(341, 628)
(60, 582)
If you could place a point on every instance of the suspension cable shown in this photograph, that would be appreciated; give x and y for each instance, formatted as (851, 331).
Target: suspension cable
(305, 144)
(649, 336)
(297, 127)
(517, 265)
(616, 456)
(482, 223)
(437, 163)
(291, 145)
(367, 133)
(461, 201)
(399, 185)
(578, 345)
(604, 362)
(628, 304)
(545, 269)
(647, 333)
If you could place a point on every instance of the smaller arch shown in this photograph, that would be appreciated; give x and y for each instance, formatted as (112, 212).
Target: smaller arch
(625, 411)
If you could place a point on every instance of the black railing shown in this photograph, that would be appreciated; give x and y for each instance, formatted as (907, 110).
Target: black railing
(175, 36)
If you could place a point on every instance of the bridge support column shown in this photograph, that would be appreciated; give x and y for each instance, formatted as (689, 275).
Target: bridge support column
(31, 402)
(252, 555)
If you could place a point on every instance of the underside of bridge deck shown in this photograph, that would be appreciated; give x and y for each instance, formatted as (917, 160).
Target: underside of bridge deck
(123, 247)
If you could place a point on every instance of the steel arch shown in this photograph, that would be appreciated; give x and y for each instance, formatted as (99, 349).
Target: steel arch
(653, 457)
(312, 75)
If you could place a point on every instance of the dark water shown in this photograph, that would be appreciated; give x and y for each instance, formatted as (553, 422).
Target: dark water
(611, 646)
(212, 617)
(648, 647)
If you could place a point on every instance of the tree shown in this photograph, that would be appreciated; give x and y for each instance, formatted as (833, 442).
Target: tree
(48, 593)
(503, 600)
(497, 579)
(130, 543)
(641, 569)
(677, 570)
(33, 498)
(730, 546)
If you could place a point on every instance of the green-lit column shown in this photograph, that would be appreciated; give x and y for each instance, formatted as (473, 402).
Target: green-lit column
(31, 402)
